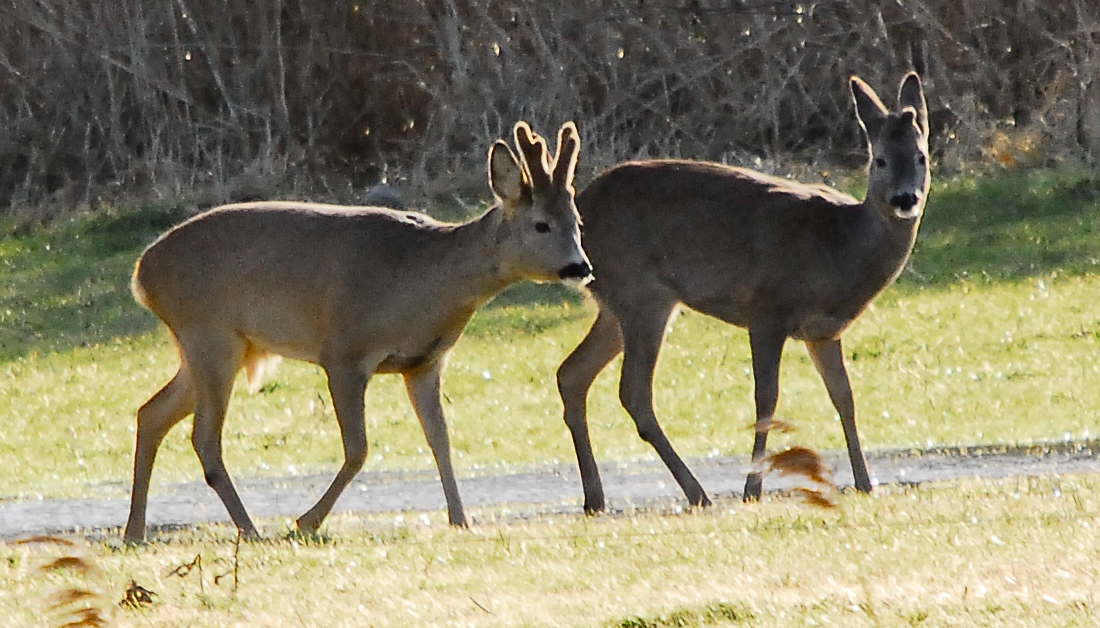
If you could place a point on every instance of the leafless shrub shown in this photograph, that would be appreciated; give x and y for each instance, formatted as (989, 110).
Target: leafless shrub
(105, 99)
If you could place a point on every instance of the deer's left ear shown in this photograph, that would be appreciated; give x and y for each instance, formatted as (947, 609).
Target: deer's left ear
(911, 94)
(506, 177)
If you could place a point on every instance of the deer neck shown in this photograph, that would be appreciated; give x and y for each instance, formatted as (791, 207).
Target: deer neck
(885, 253)
(475, 259)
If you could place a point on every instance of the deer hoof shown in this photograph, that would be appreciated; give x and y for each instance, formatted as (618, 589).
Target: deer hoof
(753, 487)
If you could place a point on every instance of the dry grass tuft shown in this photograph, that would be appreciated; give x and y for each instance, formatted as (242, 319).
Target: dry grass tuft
(814, 497)
(90, 617)
(137, 596)
(72, 596)
(183, 570)
(74, 563)
(74, 604)
(44, 539)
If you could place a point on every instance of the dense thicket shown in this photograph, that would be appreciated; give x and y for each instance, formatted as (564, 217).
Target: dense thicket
(98, 98)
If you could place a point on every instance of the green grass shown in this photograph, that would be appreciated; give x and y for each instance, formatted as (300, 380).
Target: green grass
(992, 336)
(966, 554)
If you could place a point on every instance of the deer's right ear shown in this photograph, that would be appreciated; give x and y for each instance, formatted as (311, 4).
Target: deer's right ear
(505, 174)
(911, 94)
(869, 109)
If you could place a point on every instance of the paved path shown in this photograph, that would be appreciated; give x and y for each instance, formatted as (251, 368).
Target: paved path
(547, 488)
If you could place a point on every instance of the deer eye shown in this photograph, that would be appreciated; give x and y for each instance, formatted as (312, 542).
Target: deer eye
(880, 162)
(542, 227)
(921, 159)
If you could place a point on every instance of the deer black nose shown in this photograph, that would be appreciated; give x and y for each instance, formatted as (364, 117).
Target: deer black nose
(904, 201)
(576, 270)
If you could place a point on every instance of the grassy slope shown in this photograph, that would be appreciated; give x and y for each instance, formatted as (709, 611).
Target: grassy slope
(991, 337)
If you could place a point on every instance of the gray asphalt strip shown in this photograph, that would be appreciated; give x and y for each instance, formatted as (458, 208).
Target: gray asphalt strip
(545, 488)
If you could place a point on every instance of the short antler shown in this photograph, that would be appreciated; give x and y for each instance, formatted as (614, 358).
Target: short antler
(565, 163)
(534, 154)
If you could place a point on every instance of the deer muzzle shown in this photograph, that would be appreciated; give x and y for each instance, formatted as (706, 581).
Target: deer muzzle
(906, 205)
(576, 270)
(904, 201)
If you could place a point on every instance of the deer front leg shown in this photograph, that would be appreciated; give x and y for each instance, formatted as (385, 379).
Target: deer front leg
(767, 349)
(575, 377)
(828, 357)
(424, 392)
(347, 383)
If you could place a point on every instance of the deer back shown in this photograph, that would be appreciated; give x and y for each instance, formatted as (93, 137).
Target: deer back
(298, 279)
(754, 249)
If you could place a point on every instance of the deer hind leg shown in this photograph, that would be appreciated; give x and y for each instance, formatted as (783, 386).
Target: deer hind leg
(423, 387)
(828, 357)
(767, 349)
(347, 383)
(642, 336)
(214, 358)
(170, 405)
(575, 376)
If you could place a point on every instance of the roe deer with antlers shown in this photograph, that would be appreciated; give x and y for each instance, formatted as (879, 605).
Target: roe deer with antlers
(780, 258)
(356, 290)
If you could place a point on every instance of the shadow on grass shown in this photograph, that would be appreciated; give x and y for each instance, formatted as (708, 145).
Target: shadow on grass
(1009, 227)
(528, 293)
(68, 285)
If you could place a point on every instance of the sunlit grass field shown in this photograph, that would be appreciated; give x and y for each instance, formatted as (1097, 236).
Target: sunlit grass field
(1017, 552)
(991, 336)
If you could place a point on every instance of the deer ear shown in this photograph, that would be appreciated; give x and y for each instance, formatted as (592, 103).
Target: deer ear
(911, 94)
(505, 174)
(869, 109)
(565, 164)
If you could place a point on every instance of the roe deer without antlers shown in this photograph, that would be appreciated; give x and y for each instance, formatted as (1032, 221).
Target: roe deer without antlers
(356, 290)
(783, 259)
